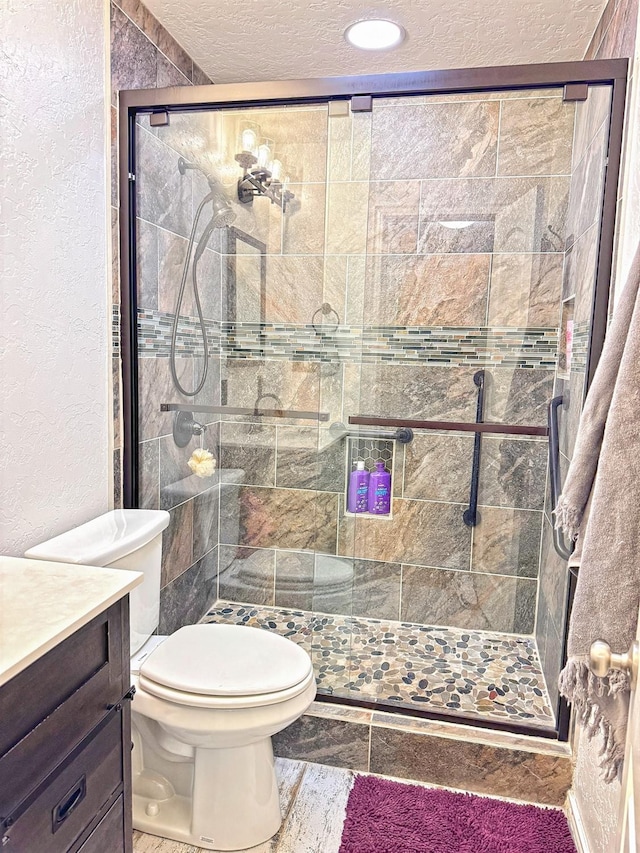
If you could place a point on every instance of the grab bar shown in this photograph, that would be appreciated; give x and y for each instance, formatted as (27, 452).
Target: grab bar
(555, 484)
(403, 435)
(470, 515)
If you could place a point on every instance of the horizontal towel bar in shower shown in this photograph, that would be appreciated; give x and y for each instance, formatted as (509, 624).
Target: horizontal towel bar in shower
(239, 410)
(455, 426)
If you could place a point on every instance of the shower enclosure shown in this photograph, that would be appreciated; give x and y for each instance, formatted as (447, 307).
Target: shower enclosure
(403, 268)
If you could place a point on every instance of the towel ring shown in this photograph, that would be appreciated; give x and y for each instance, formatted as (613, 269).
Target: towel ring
(325, 309)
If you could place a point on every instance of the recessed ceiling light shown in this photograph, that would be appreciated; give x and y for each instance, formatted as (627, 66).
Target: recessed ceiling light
(374, 34)
(457, 224)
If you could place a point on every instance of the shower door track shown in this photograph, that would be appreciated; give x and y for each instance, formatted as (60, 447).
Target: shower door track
(573, 76)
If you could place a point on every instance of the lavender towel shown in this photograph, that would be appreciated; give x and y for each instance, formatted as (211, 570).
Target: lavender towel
(600, 508)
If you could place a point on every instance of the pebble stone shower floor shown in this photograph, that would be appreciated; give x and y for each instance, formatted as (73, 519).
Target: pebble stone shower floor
(445, 670)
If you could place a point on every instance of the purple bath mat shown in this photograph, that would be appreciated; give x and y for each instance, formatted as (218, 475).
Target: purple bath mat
(390, 817)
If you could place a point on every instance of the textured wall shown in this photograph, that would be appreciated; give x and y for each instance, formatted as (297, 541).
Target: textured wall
(615, 36)
(235, 43)
(54, 460)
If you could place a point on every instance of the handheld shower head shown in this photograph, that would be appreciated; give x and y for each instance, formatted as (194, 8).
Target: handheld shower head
(223, 215)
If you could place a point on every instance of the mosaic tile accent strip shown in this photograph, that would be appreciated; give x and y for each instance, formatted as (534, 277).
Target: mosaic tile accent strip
(580, 349)
(525, 347)
(154, 334)
(115, 329)
(444, 670)
(500, 346)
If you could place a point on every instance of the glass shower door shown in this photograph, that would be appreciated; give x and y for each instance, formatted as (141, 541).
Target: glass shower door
(412, 271)
(466, 302)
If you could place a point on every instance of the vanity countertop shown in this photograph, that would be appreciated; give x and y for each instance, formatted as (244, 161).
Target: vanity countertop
(43, 603)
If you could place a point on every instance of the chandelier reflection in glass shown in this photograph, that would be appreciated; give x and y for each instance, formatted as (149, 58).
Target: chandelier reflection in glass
(262, 175)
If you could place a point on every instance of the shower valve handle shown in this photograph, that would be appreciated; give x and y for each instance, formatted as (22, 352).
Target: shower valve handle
(185, 427)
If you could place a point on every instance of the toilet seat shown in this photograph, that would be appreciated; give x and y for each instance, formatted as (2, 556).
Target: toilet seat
(194, 700)
(226, 666)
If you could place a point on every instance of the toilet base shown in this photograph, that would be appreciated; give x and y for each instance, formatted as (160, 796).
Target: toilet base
(234, 805)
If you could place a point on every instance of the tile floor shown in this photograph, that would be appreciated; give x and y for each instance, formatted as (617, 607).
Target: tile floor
(446, 670)
(313, 798)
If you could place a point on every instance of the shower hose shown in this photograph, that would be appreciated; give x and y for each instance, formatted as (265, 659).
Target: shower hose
(202, 245)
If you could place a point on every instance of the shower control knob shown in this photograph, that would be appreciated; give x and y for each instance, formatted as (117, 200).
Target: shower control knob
(602, 659)
(185, 427)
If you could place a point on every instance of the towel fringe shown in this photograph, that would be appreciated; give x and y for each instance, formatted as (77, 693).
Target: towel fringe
(580, 687)
(568, 517)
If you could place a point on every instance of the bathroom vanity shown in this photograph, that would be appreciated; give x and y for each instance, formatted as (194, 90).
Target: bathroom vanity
(65, 742)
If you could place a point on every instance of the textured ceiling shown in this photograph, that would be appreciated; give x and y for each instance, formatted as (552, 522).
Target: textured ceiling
(283, 39)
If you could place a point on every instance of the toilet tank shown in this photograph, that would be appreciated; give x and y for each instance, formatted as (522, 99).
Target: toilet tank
(122, 539)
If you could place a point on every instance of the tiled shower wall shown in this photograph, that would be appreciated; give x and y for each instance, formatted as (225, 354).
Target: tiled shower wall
(167, 203)
(394, 273)
(419, 306)
(143, 56)
(583, 227)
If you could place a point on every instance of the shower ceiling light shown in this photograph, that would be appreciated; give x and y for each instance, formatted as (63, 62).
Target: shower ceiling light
(375, 34)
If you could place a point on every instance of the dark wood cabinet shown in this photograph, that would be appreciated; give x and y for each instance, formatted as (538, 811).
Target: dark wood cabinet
(65, 745)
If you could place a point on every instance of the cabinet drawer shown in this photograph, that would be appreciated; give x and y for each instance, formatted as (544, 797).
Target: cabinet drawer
(108, 836)
(73, 796)
(48, 709)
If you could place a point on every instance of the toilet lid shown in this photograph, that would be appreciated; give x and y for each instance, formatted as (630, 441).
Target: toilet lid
(226, 660)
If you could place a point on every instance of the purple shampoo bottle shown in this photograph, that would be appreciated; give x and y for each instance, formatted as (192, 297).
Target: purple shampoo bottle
(379, 501)
(358, 489)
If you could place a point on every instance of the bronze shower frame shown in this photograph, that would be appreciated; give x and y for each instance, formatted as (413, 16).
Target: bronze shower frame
(573, 76)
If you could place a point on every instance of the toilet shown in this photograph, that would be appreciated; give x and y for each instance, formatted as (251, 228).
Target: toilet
(208, 699)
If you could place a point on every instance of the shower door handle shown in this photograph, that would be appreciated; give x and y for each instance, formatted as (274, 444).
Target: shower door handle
(602, 659)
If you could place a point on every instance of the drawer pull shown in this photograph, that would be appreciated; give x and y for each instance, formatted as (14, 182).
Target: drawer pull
(69, 802)
(128, 696)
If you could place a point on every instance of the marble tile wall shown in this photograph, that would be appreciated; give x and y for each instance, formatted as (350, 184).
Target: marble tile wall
(615, 34)
(390, 255)
(397, 247)
(438, 753)
(580, 260)
(144, 55)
